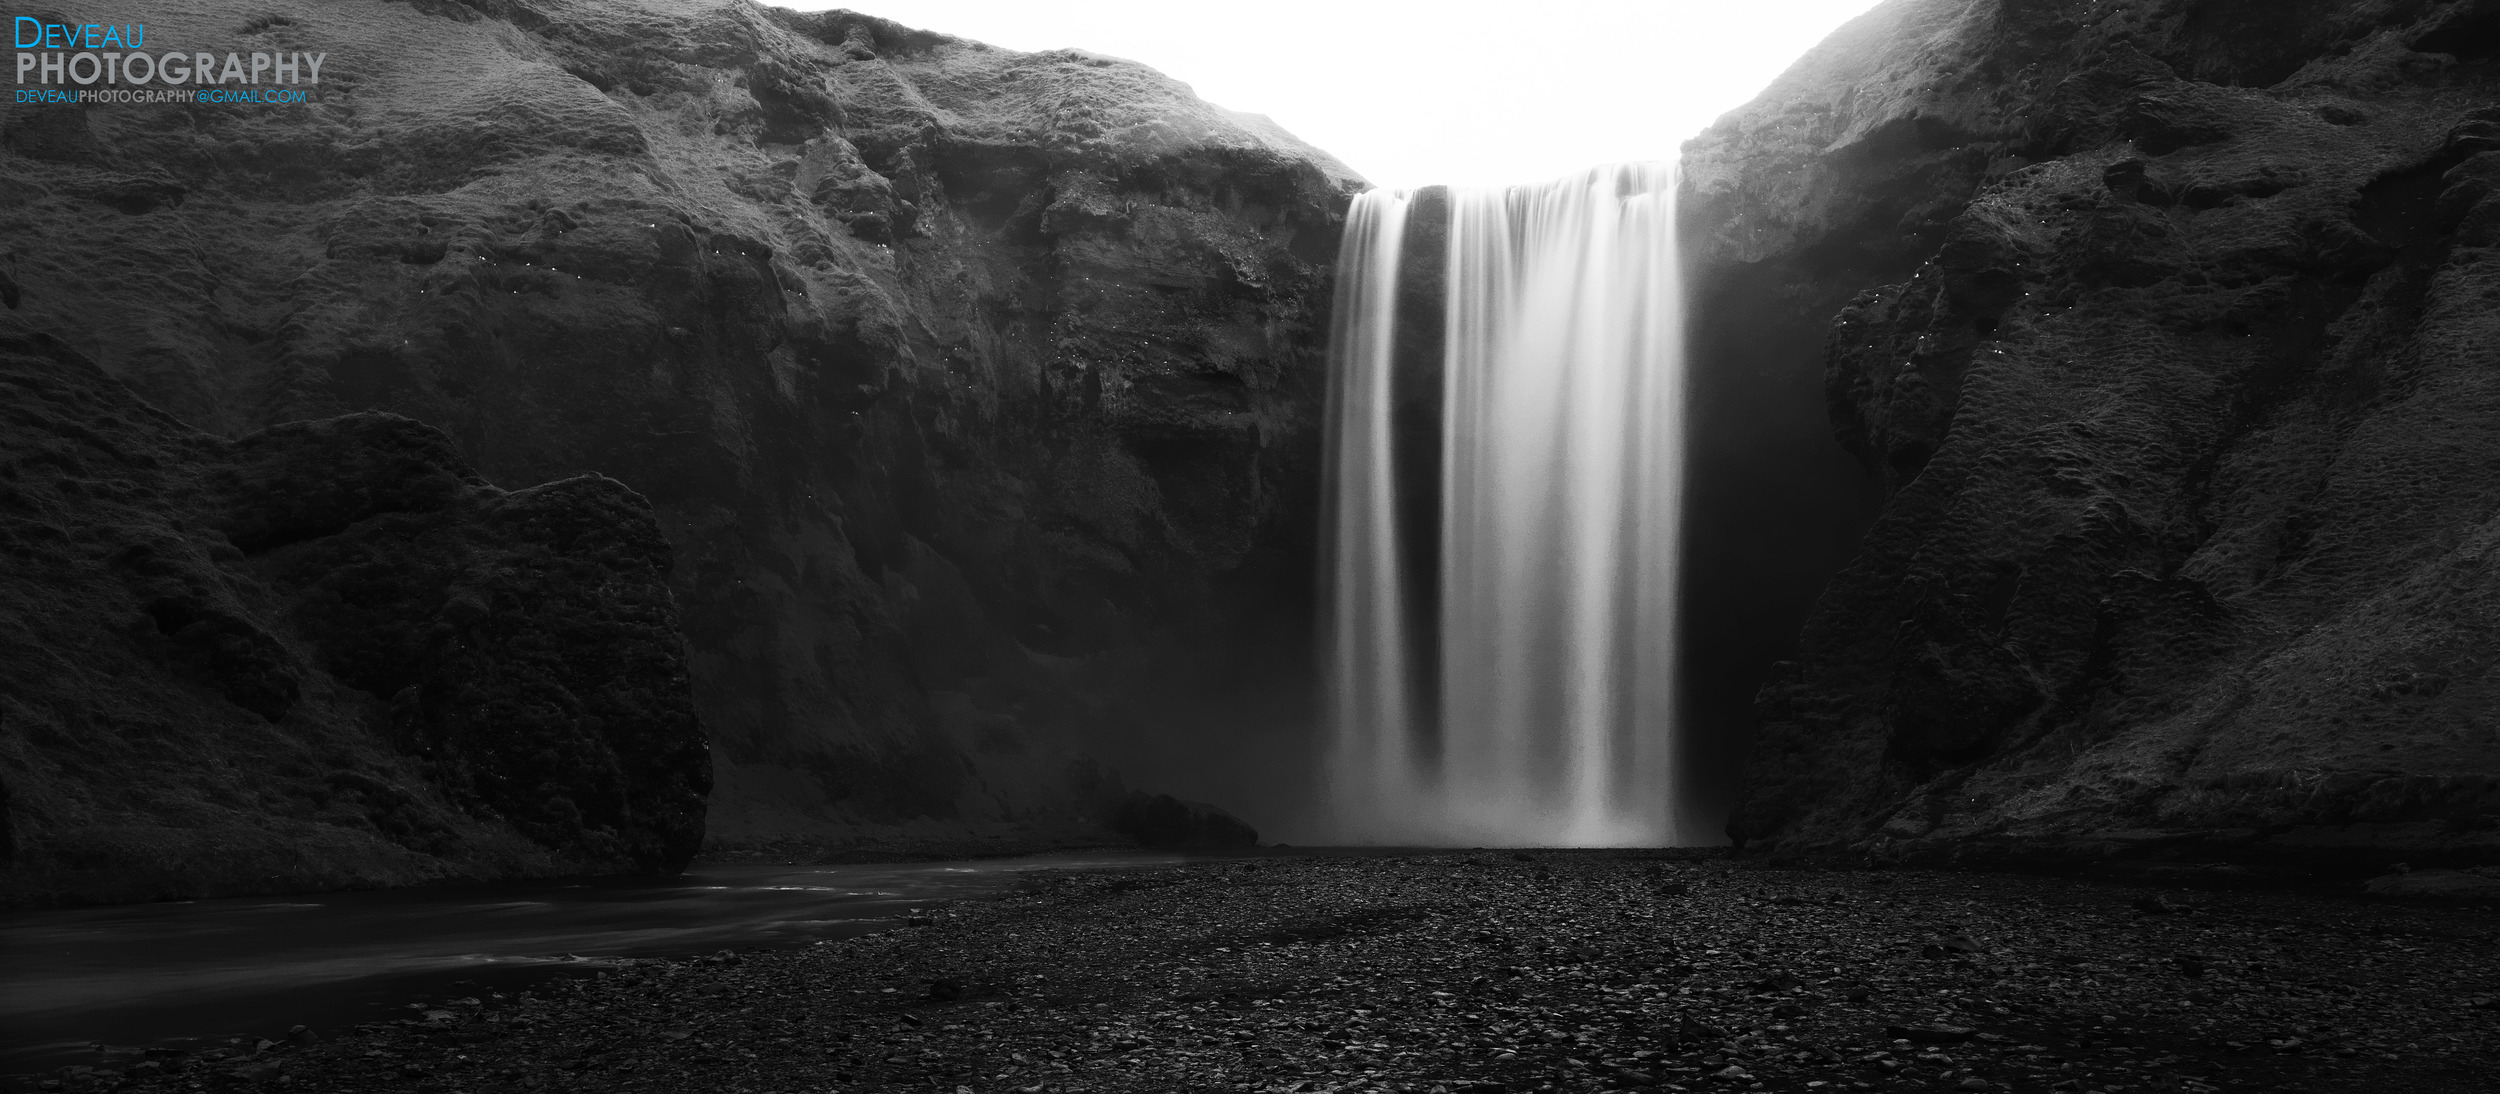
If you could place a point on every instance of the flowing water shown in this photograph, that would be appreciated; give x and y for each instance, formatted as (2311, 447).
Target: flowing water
(194, 971)
(1499, 626)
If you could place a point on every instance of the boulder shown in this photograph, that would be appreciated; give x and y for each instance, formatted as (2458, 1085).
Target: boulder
(1163, 821)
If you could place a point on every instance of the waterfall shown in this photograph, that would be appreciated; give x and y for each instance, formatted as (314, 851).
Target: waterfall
(1499, 670)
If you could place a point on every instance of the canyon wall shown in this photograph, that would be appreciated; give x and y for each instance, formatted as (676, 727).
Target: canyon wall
(2166, 330)
(974, 391)
(323, 654)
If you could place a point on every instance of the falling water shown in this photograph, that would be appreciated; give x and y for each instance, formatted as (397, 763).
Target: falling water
(1524, 695)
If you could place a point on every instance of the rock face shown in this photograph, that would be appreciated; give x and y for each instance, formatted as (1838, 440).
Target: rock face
(975, 390)
(2172, 347)
(1161, 820)
(322, 654)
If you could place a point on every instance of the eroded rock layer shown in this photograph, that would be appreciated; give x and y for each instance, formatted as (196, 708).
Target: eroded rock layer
(2172, 345)
(973, 389)
(322, 654)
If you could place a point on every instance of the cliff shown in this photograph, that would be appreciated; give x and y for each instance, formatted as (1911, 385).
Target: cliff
(323, 654)
(2167, 338)
(974, 390)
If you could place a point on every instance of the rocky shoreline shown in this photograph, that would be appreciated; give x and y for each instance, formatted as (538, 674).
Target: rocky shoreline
(1546, 971)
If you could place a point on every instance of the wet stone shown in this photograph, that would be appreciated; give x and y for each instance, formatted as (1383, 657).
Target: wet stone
(1455, 971)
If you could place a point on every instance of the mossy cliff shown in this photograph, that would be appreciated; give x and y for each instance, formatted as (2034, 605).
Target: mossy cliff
(322, 654)
(2165, 330)
(974, 392)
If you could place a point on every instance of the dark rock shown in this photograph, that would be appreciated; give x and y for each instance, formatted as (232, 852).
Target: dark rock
(2466, 31)
(975, 391)
(1160, 820)
(132, 194)
(1951, 946)
(2169, 384)
(225, 652)
(1931, 1035)
(8, 829)
(147, 646)
(2477, 884)
(1955, 691)
(2160, 125)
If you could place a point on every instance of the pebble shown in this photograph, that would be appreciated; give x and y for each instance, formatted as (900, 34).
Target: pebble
(1466, 972)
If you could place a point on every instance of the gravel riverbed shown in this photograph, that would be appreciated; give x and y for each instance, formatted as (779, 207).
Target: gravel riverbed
(1483, 971)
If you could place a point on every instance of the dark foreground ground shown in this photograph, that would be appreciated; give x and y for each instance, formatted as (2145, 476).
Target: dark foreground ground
(1490, 971)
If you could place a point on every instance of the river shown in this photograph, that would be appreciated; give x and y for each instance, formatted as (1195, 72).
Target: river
(191, 972)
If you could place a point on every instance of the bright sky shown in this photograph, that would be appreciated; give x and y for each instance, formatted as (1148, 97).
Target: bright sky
(1410, 92)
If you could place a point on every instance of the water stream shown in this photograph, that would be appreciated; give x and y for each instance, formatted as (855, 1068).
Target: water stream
(1501, 593)
(192, 972)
